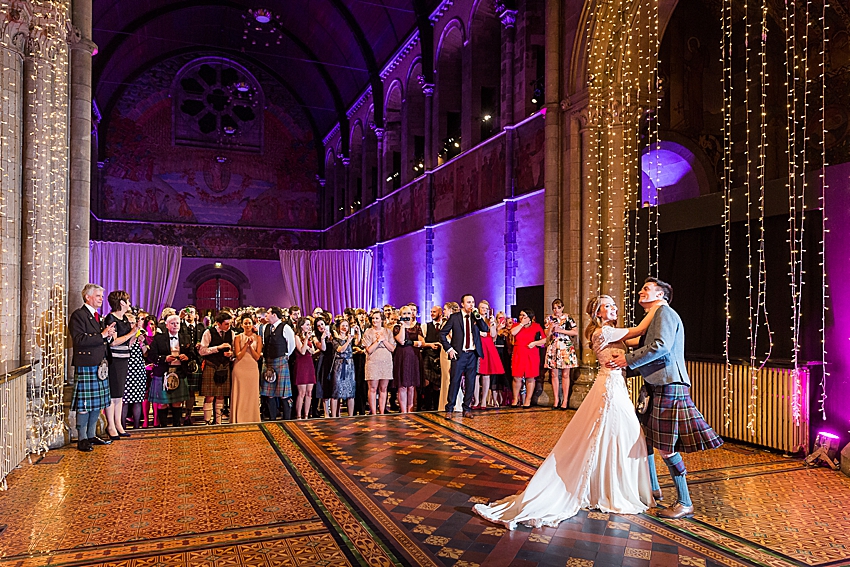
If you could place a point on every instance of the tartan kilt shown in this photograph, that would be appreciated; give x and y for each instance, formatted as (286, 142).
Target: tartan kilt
(90, 392)
(675, 424)
(193, 379)
(280, 388)
(208, 386)
(159, 395)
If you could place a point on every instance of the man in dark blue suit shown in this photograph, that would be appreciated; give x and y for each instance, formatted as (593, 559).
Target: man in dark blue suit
(464, 350)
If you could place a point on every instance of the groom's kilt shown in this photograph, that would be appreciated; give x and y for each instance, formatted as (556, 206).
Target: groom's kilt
(675, 424)
(280, 388)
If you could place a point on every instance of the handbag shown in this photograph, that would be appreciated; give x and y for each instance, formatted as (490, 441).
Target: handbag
(103, 370)
(269, 375)
(222, 373)
(171, 380)
(193, 367)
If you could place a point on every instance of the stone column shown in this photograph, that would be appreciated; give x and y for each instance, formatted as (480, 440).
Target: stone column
(379, 134)
(428, 90)
(508, 19)
(79, 205)
(589, 283)
(12, 44)
(45, 222)
(347, 190)
(552, 156)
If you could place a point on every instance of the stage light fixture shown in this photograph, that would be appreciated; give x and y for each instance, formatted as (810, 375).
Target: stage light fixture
(825, 443)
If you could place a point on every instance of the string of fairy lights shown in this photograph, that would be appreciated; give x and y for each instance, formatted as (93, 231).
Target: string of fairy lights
(35, 118)
(727, 179)
(10, 182)
(796, 200)
(822, 203)
(805, 95)
(625, 87)
(48, 114)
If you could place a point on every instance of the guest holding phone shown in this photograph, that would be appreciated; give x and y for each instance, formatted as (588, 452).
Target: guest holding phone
(343, 385)
(525, 363)
(561, 330)
(406, 372)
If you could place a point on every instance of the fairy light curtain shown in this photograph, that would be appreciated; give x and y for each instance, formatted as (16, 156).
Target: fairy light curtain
(148, 272)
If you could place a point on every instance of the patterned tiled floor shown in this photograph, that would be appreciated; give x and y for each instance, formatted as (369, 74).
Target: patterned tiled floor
(395, 490)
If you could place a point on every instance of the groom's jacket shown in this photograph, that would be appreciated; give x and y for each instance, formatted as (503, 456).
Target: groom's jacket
(661, 360)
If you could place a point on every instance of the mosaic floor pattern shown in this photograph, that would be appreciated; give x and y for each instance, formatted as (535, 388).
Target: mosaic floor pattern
(395, 490)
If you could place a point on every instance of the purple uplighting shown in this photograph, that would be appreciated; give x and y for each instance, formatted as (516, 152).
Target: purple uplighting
(670, 168)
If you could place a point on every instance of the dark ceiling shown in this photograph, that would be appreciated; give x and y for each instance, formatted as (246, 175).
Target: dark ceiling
(329, 51)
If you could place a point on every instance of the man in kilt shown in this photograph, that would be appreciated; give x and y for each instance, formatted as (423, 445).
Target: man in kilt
(216, 349)
(91, 392)
(191, 331)
(278, 344)
(674, 424)
(169, 351)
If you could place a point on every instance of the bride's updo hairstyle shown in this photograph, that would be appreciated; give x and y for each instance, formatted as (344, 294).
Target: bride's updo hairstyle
(593, 310)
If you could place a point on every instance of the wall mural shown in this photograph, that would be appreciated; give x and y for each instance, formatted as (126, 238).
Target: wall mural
(206, 242)
(470, 182)
(529, 150)
(146, 177)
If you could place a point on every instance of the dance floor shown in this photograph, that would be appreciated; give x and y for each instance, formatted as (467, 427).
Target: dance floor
(395, 490)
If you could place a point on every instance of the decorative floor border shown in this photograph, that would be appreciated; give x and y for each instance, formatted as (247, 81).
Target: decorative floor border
(360, 540)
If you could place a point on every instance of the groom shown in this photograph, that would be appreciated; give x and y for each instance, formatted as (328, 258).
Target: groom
(674, 423)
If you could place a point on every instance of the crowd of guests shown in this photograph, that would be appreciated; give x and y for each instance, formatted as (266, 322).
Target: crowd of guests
(252, 364)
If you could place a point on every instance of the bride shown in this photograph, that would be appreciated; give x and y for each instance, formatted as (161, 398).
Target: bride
(600, 461)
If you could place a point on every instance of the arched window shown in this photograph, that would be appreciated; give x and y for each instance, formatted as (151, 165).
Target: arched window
(215, 293)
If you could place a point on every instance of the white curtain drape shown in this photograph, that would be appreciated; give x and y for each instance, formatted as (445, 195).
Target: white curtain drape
(330, 279)
(148, 272)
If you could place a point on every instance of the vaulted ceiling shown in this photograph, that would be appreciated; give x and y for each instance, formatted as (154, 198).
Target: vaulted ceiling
(325, 52)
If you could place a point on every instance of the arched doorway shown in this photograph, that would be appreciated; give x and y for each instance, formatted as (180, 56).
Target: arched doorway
(215, 293)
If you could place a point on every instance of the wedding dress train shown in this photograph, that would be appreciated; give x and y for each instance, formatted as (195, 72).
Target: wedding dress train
(599, 462)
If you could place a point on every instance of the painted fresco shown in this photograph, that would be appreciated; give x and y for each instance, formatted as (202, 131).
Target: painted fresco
(146, 178)
(470, 182)
(363, 228)
(529, 147)
(211, 242)
(406, 210)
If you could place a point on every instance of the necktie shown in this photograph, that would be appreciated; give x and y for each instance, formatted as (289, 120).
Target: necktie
(97, 316)
(467, 345)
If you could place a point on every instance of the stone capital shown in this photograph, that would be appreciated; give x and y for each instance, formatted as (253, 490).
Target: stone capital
(15, 21)
(379, 134)
(346, 161)
(78, 42)
(322, 182)
(508, 18)
(428, 89)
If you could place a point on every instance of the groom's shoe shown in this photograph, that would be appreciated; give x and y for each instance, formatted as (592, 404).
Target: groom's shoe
(676, 511)
(658, 495)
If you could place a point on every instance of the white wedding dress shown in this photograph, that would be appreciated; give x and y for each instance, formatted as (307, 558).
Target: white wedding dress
(599, 462)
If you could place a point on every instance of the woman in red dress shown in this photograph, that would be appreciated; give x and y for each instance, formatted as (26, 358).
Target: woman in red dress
(525, 364)
(490, 364)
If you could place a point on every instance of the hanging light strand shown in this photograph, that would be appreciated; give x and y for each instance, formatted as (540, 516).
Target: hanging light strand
(756, 366)
(726, 63)
(822, 198)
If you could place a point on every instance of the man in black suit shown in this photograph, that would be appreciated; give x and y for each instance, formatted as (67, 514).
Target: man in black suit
(464, 350)
(91, 393)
